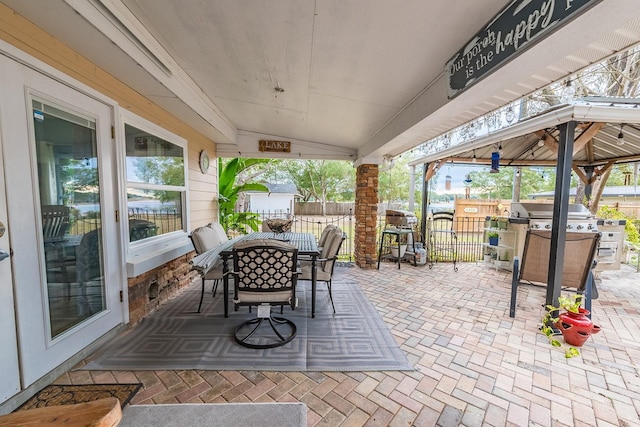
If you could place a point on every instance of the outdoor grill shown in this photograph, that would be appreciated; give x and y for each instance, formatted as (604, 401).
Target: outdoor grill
(400, 218)
(579, 220)
(540, 216)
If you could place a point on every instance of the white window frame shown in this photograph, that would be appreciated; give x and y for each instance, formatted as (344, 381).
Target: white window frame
(146, 254)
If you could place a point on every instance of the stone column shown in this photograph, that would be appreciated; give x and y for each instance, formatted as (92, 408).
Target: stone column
(366, 213)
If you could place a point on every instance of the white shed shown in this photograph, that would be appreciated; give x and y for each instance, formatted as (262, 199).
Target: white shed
(278, 202)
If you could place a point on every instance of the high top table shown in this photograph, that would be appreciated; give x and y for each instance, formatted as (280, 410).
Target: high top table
(305, 242)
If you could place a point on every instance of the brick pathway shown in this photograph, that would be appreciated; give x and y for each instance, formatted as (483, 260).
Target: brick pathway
(475, 366)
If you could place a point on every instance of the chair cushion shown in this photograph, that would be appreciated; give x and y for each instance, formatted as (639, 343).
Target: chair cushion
(260, 297)
(325, 234)
(215, 273)
(205, 238)
(222, 235)
(322, 275)
(330, 248)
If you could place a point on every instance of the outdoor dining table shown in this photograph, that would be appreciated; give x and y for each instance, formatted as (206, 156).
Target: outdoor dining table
(305, 242)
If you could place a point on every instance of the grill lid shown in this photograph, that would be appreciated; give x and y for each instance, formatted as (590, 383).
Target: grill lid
(545, 210)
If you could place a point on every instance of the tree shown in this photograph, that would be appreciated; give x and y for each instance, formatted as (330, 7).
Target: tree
(618, 76)
(321, 180)
(229, 191)
(500, 185)
(161, 170)
(393, 182)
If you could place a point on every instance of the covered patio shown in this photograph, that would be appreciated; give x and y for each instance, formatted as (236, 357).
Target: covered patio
(474, 365)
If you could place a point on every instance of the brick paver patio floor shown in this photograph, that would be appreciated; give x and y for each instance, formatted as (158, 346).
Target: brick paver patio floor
(475, 366)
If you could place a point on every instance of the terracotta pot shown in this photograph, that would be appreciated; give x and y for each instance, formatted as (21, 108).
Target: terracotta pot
(576, 328)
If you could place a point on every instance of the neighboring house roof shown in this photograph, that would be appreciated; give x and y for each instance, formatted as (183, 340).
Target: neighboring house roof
(610, 191)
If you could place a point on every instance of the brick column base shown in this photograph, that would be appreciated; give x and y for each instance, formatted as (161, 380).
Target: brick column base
(366, 213)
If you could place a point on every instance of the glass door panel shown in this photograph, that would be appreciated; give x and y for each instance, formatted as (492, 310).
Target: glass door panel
(69, 187)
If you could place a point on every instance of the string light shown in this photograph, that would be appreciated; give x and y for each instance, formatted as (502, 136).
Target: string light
(569, 92)
(541, 141)
(510, 116)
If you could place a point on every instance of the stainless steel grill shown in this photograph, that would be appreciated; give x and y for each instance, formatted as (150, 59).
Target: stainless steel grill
(540, 216)
(579, 220)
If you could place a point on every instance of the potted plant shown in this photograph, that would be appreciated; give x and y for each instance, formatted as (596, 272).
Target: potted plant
(493, 222)
(493, 238)
(504, 262)
(502, 223)
(573, 323)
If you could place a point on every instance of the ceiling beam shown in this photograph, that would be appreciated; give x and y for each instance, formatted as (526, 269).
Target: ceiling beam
(586, 136)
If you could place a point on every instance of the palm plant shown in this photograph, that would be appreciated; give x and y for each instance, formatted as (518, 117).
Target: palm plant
(229, 191)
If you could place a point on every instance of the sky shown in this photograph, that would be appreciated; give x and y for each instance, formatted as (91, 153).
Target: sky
(458, 175)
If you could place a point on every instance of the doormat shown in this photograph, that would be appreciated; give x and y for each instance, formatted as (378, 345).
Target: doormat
(69, 394)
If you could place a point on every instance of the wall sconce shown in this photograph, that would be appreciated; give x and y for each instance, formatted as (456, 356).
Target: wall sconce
(620, 136)
(474, 159)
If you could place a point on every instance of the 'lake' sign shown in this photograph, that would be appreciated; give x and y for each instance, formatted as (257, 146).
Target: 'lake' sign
(516, 28)
(274, 146)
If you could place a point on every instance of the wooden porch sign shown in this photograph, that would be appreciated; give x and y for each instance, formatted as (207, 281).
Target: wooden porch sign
(274, 146)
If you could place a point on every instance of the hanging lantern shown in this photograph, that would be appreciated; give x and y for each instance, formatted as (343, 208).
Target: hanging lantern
(447, 182)
(495, 162)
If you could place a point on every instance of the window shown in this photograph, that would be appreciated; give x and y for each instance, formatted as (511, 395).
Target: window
(156, 183)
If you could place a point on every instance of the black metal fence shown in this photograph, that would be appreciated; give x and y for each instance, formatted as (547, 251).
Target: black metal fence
(314, 224)
(467, 246)
(164, 220)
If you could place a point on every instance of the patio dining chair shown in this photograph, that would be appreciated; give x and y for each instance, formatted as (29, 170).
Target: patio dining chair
(89, 267)
(55, 220)
(577, 272)
(205, 238)
(327, 261)
(265, 274)
(325, 234)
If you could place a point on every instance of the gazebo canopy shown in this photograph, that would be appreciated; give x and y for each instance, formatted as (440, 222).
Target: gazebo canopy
(534, 141)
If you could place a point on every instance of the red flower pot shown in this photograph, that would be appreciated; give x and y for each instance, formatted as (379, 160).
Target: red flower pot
(576, 328)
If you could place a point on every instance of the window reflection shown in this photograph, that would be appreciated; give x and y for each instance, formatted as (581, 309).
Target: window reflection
(154, 168)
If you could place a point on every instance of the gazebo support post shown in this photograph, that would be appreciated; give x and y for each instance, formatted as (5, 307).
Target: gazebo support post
(560, 211)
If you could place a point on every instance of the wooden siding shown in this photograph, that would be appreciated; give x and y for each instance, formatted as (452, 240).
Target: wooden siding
(203, 189)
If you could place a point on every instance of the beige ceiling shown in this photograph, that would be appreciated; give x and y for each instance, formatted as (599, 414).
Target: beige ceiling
(344, 79)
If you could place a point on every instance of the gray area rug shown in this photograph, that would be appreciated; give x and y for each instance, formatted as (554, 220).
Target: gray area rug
(216, 415)
(176, 337)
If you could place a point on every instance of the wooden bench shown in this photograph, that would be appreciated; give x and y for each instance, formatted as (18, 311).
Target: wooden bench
(99, 413)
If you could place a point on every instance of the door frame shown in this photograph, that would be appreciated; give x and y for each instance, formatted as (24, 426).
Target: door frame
(9, 365)
(35, 363)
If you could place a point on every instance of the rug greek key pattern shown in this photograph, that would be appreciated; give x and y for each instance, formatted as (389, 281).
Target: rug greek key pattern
(176, 337)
